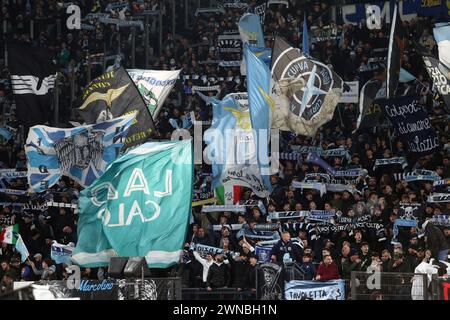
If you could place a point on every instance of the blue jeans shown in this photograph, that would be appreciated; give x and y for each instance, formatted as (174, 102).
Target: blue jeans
(442, 254)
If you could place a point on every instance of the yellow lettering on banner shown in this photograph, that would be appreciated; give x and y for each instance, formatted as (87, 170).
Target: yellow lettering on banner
(430, 3)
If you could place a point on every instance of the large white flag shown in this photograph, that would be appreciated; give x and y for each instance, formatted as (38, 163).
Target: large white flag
(154, 86)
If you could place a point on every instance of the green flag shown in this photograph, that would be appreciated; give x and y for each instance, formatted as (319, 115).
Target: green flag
(139, 207)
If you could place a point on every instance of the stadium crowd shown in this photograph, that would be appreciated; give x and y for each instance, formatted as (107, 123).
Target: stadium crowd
(321, 255)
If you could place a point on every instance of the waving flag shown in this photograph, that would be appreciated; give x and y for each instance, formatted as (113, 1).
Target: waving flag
(231, 147)
(261, 106)
(82, 153)
(9, 234)
(305, 36)
(22, 248)
(251, 31)
(397, 43)
(440, 75)
(264, 54)
(369, 110)
(442, 35)
(33, 76)
(139, 207)
(61, 253)
(154, 86)
(306, 92)
(112, 95)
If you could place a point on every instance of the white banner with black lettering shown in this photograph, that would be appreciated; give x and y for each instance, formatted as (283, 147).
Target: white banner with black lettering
(314, 290)
(351, 96)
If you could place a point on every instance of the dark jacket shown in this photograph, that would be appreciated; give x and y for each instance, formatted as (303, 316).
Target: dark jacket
(435, 239)
(348, 266)
(309, 270)
(281, 248)
(218, 275)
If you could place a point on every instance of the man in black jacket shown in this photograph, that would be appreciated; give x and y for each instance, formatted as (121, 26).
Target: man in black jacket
(218, 274)
(284, 250)
(436, 241)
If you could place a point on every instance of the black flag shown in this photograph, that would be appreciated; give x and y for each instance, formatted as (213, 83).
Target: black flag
(33, 76)
(114, 94)
(259, 8)
(412, 124)
(369, 110)
(397, 41)
(440, 75)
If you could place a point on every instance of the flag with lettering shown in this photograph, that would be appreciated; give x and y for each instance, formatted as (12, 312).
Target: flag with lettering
(412, 124)
(139, 207)
(305, 91)
(440, 75)
(112, 95)
(369, 110)
(154, 86)
(82, 153)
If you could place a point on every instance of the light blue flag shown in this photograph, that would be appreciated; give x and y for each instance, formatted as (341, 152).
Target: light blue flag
(251, 31)
(139, 207)
(231, 147)
(305, 39)
(61, 253)
(264, 54)
(5, 134)
(21, 248)
(442, 35)
(261, 106)
(405, 76)
(81, 153)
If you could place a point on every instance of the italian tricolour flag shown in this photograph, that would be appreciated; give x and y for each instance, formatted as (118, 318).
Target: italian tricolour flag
(10, 234)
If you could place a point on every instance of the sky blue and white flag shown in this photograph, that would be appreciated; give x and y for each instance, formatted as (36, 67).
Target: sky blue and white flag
(22, 248)
(250, 30)
(261, 106)
(231, 146)
(265, 54)
(139, 207)
(81, 153)
(61, 253)
(442, 35)
(305, 36)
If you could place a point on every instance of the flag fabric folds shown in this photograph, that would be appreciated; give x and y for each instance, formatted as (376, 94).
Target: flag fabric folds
(114, 94)
(231, 147)
(139, 207)
(306, 92)
(369, 111)
(33, 76)
(9, 234)
(411, 123)
(82, 153)
(251, 31)
(440, 75)
(305, 36)
(261, 106)
(154, 86)
(397, 42)
(61, 253)
(22, 248)
(442, 35)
